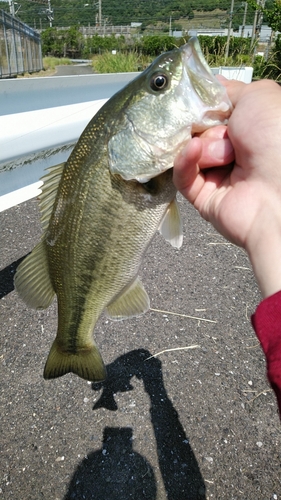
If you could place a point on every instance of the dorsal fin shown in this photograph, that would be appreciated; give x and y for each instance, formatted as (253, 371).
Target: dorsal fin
(171, 225)
(49, 191)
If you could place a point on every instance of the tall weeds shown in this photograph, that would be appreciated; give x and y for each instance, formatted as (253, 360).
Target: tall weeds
(51, 62)
(120, 62)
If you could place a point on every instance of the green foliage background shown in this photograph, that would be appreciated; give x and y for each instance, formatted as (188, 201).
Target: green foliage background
(136, 56)
(119, 12)
(68, 13)
(69, 42)
(72, 14)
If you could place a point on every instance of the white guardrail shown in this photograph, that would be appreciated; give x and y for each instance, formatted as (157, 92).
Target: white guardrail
(42, 118)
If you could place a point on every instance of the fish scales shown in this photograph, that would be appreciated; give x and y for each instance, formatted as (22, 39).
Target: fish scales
(102, 208)
(87, 278)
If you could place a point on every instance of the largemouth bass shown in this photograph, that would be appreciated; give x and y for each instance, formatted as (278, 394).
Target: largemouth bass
(101, 209)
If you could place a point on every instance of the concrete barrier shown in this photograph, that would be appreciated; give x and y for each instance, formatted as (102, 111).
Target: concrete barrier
(42, 118)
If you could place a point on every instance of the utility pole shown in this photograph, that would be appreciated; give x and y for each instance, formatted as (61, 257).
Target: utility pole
(100, 13)
(244, 19)
(229, 30)
(260, 18)
(254, 27)
(257, 22)
(12, 7)
(49, 13)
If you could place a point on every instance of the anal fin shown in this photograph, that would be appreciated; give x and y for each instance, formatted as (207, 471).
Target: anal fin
(132, 302)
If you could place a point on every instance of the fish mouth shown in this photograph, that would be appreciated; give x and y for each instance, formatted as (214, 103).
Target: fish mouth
(194, 59)
(209, 94)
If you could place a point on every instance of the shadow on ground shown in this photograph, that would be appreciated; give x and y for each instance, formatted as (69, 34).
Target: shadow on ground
(117, 471)
(7, 277)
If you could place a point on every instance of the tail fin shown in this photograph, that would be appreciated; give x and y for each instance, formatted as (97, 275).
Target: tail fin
(87, 363)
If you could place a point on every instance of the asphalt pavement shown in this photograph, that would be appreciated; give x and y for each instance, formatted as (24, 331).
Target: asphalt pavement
(196, 423)
(170, 422)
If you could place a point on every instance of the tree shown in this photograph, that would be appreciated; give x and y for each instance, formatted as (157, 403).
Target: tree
(73, 40)
(273, 16)
(53, 41)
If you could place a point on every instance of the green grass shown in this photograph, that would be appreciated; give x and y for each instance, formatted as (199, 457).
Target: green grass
(51, 62)
(132, 61)
(219, 60)
(120, 63)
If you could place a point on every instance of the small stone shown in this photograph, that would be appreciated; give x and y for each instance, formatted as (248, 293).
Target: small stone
(259, 444)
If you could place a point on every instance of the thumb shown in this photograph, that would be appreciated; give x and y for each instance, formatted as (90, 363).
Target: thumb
(186, 175)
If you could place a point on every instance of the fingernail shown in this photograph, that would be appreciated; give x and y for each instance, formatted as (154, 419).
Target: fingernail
(221, 149)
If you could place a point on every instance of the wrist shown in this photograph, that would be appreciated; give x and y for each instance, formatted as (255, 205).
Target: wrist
(264, 251)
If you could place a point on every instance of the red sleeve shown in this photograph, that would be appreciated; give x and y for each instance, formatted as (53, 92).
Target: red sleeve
(267, 325)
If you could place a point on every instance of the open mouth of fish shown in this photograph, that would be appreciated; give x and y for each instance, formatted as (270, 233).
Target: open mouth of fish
(214, 104)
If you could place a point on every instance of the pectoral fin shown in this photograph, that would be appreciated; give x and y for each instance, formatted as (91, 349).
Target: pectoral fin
(32, 279)
(171, 225)
(132, 302)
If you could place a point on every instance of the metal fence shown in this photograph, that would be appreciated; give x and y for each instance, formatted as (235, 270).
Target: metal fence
(20, 47)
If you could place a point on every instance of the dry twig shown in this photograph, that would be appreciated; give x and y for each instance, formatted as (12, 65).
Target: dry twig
(258, 395)
(183, 315)
(173, 349)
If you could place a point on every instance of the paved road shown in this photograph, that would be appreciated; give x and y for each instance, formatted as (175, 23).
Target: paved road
(186, 425)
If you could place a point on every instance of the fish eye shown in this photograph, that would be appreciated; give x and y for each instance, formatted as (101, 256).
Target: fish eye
(158, 82)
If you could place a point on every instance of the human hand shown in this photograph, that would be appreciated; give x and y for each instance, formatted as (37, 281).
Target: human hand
(241, 200)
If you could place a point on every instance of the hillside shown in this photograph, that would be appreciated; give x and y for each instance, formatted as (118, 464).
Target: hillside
(116, 12)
